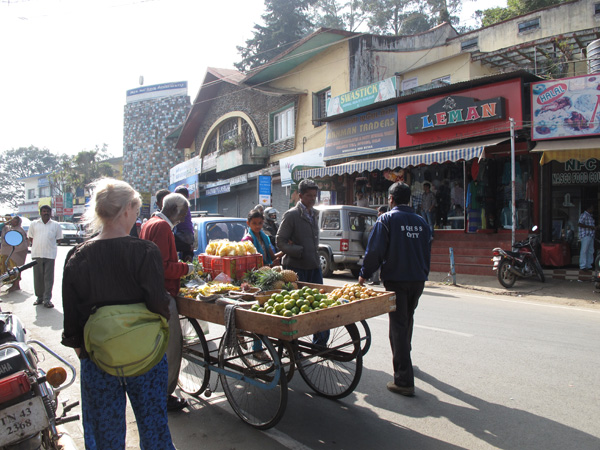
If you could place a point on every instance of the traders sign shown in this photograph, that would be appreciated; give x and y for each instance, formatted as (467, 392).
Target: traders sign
(453, 111)
(361, 134)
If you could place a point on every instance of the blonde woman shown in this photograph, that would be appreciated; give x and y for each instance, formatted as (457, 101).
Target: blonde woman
(115, 268)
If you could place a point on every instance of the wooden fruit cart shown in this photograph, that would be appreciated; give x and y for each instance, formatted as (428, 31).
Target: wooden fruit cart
(324, 346)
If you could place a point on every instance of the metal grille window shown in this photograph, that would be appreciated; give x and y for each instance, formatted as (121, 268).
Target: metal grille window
(248, 138)
(529, 25)
(320, 106)
(469, 44)
(283, 125)
(228, 132)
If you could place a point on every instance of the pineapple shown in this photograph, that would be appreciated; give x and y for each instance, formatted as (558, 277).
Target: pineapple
(267, 279)
(278, 268)
(279, 284)
(289, 276)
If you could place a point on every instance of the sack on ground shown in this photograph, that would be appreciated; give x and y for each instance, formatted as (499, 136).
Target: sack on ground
(126, 340)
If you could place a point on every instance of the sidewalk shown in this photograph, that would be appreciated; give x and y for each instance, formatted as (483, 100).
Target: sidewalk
(556, 291)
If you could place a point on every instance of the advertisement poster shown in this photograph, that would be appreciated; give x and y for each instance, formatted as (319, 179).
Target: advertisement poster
(190, 183)
(312, 158)
(565, 108)
(362, 134)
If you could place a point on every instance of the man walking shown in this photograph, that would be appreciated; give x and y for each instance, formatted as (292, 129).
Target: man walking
(587, 230)
(159, 230)
(401, 245)
(428, 204)
(44, 235)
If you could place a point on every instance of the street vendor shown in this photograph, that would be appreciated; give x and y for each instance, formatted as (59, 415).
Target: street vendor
(259, 238)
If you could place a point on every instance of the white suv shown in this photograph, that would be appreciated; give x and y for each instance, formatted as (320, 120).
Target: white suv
(70, 233)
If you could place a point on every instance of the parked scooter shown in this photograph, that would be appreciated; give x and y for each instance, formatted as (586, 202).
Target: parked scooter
(28, 395)
(522, 262)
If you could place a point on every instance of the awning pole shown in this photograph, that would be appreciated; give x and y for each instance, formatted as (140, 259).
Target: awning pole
(512, 179)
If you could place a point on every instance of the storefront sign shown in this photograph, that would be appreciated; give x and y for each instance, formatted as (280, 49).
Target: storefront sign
(58, 205)
(240, 179)
(157, 91)
(68, 200)
(511, 91)
(186, 169)
(361, 134)
(264, 190)
(222, 189)
(565, 108)
(43, 181)
(364, 96)
(190, 183)
(576, 172)
(454, 111)
(311, 158)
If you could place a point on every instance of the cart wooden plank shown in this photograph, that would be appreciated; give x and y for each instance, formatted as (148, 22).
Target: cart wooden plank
(289, 328)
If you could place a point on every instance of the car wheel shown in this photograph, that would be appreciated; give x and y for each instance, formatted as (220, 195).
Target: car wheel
(325, 262)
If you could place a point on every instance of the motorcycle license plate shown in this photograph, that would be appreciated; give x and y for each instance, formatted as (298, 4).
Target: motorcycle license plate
(21, 420)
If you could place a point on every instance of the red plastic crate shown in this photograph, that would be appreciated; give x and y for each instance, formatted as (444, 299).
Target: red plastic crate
(233, 266)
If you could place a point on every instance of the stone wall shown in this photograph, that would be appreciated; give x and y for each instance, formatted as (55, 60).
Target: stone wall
(148, 152)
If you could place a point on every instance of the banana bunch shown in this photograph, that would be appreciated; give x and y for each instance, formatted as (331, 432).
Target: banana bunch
(225, 247)
(216, 288)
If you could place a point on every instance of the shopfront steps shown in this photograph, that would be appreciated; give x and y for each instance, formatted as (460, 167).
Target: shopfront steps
(472, 251)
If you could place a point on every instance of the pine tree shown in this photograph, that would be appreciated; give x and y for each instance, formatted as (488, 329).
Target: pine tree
(285, 22)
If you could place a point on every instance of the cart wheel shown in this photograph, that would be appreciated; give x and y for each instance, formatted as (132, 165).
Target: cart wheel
(254, 384)
(332, 371)
(194, 374)
(366, 339)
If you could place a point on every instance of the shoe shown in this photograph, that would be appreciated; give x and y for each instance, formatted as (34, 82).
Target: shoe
(261, 356)
(39, 301)
(175, 403)
(402, 390)
(48, 304)
(374, 283)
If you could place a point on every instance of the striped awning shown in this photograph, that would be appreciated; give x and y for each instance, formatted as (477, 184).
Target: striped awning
(565, 149)
(409, 159)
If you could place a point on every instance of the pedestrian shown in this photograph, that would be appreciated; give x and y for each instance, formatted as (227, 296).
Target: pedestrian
(298, 235)
(428, 204)
(111, 267)
(361, 200)
(376, 279)
(400, 245)
(260, 208)
(184, 232)
(19, 254)
(159, 230)
(298, 239)
(270, 226)
(259, 238)
(160, 195)
(587, 232)
(44, 235)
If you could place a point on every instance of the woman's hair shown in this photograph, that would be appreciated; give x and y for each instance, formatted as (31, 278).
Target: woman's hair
(110, 198)
(255, 214)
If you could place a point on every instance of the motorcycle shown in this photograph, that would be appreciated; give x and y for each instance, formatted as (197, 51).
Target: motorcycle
(28, 394)
(522, 262)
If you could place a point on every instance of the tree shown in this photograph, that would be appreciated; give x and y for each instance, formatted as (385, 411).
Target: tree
(513, 8)
(21, 163)
(286, 22)
(348, 15)
(387, 16)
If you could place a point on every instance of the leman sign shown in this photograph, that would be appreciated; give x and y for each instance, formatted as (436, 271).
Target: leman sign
(453, 111)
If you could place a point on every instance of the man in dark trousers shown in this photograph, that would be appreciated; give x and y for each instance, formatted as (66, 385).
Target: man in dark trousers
(401, 245)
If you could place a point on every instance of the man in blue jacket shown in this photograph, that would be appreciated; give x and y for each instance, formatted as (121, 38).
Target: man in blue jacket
(400, 244)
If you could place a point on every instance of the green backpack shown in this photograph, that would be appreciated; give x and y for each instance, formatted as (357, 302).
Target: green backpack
(126, 340)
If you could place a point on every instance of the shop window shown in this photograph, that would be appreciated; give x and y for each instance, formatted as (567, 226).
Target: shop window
(529, 25)
(409, 83)
(282, 124)
(320, 106)
(469, 44)
(30, 194)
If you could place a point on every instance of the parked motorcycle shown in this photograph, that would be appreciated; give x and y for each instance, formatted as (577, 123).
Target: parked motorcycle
(28, 394)
(522, 262)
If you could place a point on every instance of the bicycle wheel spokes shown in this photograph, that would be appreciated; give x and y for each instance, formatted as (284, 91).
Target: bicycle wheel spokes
(193, 374)
(332, 370)
(254, 383)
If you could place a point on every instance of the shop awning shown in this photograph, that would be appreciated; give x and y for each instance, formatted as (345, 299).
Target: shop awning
(565, 149)
(416, 158)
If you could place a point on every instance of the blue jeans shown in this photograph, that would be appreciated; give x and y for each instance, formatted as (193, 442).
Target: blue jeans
(586, 256)
(103, 399)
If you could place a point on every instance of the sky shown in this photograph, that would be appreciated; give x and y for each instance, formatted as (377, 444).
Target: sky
(66, 64)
